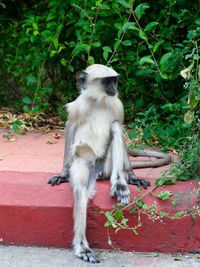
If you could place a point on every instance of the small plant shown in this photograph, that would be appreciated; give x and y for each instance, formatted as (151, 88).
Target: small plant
(117, 220)
(9, 136)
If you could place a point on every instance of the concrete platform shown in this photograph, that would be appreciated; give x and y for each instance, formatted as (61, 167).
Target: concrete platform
(34, 213)
(20, 256)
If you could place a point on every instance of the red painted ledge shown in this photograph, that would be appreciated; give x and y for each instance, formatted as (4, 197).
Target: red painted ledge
(34, 213)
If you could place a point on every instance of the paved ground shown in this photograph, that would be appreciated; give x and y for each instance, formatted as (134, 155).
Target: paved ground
(13, 256)
(34, 153)
(40, 152)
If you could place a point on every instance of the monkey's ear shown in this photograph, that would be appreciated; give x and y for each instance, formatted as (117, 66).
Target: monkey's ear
(82, 80)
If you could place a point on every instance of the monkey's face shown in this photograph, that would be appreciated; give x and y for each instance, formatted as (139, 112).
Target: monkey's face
(110, 85)
(98, 80)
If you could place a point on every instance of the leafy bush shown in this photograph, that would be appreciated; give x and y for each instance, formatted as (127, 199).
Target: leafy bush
(46, 43)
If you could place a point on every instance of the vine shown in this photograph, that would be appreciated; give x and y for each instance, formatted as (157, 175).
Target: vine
(117, 220)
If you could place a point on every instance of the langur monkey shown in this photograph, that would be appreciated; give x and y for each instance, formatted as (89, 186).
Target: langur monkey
(95, 148)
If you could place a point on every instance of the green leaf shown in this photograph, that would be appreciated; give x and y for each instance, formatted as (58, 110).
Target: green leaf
(27, 100)
(9, 133)
(140, 203)
(105, 55)
(132, 210)
(164, 195)
(35, 27)
(59, 28)
(96, 44)
(193, 100)
(31, 79)
(118, 214)
(90, 60)
(61, 48)
(168, 105)
(80, 48)
(140, 10)
(53, 52)
(48, 90)
(132, 135)
(109, 241)
(174, 202)
(15, 127)
(165, 58)
(107, 224)
(107, 49)
(55, 42)
(156, 45)
(26, 109)
(163, 213)
(197, 21)
(193, 216)
(19, 122)
(35, 33)
(127, 42)
(124, 221)
(143, 35)
(153, 254)
(151, 25)
(177, 259)
(3, 5)
(130, 26)
(180, 213)
(124, 3)
(116, 45)
(70, 68)
(36, 109)
(146, 59)
(63, 62)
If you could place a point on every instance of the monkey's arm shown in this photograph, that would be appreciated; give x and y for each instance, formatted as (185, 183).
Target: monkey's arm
(130, 175)
(69, 139)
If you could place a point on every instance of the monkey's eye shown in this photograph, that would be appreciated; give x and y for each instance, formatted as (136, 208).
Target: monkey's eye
(115, 79)
(107, 80)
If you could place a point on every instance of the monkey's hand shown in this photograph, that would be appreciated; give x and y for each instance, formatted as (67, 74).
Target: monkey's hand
(57, 179)
(139, 182)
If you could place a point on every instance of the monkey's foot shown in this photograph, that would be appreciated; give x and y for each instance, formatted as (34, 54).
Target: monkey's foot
(139, 182)
(57, 179)
(122, 192)
(83, 252)
(89, 257)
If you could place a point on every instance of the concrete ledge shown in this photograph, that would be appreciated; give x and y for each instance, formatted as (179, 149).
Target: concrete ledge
(34, 213)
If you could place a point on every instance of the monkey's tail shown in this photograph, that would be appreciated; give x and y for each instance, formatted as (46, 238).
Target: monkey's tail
(163, 159)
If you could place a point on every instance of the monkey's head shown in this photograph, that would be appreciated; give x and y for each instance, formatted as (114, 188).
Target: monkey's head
(98, 80)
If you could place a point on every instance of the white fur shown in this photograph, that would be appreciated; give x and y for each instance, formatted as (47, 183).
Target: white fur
(100, 71)
(92, 117)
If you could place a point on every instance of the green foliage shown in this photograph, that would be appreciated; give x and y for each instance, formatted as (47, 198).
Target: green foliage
(45, 44)
(116, 218)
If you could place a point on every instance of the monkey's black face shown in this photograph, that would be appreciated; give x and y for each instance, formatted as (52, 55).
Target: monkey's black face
(110, 85)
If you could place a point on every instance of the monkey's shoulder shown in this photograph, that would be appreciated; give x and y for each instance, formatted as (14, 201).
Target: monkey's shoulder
(111, 108)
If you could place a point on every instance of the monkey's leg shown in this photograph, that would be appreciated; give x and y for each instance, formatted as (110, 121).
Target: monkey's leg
(79, 179)
(118, 182)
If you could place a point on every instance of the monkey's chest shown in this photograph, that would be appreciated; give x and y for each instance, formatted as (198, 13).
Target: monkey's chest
(93, 136)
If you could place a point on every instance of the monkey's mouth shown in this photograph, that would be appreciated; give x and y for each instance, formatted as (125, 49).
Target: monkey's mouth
(111, 92)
